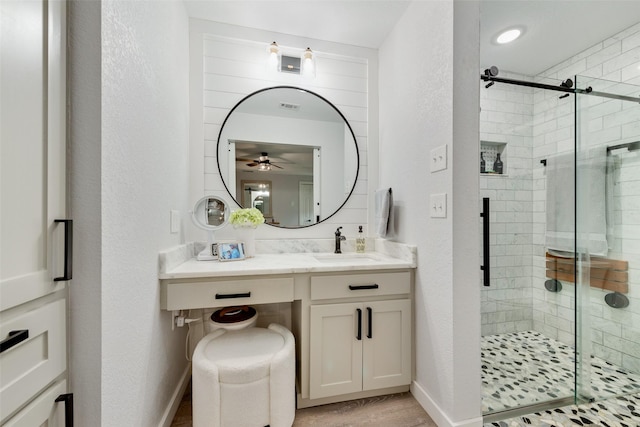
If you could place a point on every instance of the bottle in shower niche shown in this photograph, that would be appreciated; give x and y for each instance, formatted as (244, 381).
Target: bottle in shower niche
(497, 165)
(360, 241)
(483, 164)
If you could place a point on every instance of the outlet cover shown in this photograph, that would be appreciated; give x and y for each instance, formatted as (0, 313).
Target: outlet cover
(438, 205)
(438, 158)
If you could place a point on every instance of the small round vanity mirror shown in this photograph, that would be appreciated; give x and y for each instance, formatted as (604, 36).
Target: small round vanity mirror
(289, 153)
(210, 213)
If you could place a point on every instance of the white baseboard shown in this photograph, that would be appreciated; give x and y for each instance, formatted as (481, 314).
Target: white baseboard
(176, 398)
(436, 413)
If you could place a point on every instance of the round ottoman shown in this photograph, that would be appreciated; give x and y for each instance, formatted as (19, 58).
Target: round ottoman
(244, 378)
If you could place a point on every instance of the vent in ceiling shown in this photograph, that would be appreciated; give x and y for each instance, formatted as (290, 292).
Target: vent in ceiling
(289, 106)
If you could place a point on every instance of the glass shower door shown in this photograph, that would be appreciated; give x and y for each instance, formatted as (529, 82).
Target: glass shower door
(608, 236)
(528, 317)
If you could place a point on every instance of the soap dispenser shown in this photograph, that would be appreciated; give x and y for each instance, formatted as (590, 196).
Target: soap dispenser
(360, 241)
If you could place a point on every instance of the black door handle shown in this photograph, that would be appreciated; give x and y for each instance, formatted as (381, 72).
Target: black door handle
(68, 250)
(229, 296)
(359, 336)
(370, 315)
(486, 268)
(360, 287)
(14, 338)
(68, 408)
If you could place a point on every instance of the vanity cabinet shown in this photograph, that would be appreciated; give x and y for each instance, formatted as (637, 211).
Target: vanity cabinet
(352, 318)
(363, 342)
(359, 346)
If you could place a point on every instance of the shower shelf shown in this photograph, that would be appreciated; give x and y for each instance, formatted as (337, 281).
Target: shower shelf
(491, 149)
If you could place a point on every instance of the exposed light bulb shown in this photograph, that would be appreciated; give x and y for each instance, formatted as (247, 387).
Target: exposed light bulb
(308, 68)
(274, 54)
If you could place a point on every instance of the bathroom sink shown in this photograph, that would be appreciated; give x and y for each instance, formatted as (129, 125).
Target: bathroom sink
(345, 258)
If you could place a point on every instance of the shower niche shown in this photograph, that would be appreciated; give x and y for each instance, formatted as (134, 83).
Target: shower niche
(491, 151)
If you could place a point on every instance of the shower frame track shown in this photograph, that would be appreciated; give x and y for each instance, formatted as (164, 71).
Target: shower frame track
(587, 91)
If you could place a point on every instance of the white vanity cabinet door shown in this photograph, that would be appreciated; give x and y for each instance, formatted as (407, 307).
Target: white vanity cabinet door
(340, 363)
(387, 344)
(336, 353)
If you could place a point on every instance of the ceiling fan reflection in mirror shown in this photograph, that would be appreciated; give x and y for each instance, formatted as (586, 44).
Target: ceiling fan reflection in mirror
(263, 163)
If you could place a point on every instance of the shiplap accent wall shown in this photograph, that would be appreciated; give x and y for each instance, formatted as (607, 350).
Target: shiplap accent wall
(234, 67)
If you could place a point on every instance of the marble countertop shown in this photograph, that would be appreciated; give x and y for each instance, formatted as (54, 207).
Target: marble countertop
(288, 263)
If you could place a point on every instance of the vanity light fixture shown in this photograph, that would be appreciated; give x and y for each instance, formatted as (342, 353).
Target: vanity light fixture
(509, 35)
(274, 56)
(308, 63)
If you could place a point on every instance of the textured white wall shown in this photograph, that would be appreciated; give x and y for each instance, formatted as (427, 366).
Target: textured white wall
(125, 359)
(425, 103)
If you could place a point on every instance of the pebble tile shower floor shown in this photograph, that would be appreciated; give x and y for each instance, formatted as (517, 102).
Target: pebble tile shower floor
(528, 368)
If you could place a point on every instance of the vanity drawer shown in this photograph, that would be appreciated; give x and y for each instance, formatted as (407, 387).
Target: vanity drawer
(187, 295)
(360, 285)
(36, 356)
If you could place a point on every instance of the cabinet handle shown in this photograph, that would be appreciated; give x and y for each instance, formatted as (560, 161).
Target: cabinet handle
(68, 250)
(13, 338)
(370, 320)
(360, 287)
(229, 296)
(359, 336)
(68, 408)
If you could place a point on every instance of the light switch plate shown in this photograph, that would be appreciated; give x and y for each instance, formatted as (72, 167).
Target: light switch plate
(438, 205)
(175, 221)
(439, 158)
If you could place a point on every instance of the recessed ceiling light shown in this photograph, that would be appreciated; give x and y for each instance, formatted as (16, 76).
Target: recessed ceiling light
(509, 35)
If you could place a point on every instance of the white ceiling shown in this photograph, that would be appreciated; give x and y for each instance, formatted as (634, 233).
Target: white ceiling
(555, 29)
(356, 22)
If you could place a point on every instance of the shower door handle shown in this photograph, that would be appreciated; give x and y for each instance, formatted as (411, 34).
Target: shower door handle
(486, 267)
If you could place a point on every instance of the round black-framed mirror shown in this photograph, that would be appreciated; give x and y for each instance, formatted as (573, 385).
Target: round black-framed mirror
(290, 153)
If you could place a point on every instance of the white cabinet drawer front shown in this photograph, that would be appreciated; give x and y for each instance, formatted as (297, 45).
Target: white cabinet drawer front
(43, 411)
(360, 285)
(29, 366)
(229, 292)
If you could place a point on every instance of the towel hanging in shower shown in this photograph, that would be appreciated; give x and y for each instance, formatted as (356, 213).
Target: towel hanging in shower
(591, 203)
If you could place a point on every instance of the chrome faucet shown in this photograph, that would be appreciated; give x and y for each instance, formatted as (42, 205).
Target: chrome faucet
(339, 237)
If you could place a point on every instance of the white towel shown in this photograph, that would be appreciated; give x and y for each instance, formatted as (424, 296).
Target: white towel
(384, 212)
(561, 214)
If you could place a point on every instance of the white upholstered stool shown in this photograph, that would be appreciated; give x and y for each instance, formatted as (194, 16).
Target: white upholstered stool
(244, 378)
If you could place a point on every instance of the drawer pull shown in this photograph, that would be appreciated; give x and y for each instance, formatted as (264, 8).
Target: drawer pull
(360, 287)
(370, 320)
(359, 336)
(14, 338)
(230, 296)
(67, 398)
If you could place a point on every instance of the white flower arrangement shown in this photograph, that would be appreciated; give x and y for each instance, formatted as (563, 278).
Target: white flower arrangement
(247, 217)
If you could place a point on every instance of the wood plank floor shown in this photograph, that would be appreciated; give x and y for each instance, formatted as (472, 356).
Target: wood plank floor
(394, 410)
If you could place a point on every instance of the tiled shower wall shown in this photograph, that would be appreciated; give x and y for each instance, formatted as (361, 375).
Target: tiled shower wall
(505, 117)
(603, 122)
(615, 332)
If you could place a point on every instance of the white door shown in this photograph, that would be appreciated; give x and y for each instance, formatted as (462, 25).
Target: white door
(305, 190)
(386, 344)
(335, 360)
(32, 197)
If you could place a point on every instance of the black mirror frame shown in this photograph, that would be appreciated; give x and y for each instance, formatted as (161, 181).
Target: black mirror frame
(328, 103)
